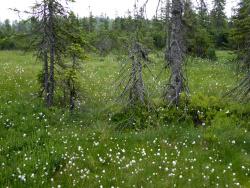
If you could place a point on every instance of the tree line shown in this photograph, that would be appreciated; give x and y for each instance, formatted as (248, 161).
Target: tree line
(208, 29)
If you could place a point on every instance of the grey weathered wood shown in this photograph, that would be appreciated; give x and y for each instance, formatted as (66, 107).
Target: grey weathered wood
(176, 55)
(137, 90)
(52, 47)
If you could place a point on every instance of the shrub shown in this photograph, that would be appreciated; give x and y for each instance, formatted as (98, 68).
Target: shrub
(211, 54)
(136, 118)
(7, 43)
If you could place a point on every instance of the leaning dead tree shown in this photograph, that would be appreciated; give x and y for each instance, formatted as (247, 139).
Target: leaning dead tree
(134, 88)
(176, 56)
(134, 91)
(168, 29)
(47, 40)
(242, 91)
(137, 89)
(240, 35)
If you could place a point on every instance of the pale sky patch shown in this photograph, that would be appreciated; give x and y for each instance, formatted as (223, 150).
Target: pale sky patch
(109, 8)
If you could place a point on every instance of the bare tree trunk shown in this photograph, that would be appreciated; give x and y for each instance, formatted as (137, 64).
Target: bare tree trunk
(51, 76)
(137, 91)
(140, 83)
(175, 85)
(45, 55)
(72, 88)
(133, 91)
(72, 99)
(168, 30)
(46, 76)
(52, 54)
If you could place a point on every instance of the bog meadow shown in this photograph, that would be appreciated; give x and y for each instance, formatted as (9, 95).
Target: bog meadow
(129, 101)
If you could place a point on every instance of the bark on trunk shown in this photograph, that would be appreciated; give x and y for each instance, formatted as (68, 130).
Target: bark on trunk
(46, 76)
(72, 88)
(72, 99)
(137, 91)
(45, 54)
(175, 85)
(168, 32)
(52, 54)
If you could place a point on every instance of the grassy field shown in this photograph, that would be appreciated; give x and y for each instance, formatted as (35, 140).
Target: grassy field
(51, 148)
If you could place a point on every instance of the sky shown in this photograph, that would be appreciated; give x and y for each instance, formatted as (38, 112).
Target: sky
(110, 8)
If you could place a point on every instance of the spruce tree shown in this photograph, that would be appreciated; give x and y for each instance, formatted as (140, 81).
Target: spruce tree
(176, 55)
(240, 34)
(197, 39)
(241, 40)
(219, 23)
(47, 39)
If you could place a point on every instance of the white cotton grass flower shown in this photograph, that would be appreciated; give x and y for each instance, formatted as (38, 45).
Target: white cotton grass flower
(22, 178)
(174, 163)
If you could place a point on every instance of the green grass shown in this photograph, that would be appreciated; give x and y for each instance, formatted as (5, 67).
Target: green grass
(51, 148)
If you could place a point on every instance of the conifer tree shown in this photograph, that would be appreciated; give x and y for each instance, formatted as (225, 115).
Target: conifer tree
(47, 17)
(135, 89)
(241, 40)
(219, 23)
(240, 34)
(176, 55)
(197, 39)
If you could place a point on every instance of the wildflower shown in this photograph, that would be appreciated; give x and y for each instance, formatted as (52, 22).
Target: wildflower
(174, 163)
(22, 178)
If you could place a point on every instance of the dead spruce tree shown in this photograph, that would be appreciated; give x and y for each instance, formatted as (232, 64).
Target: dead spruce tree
(138, 55)
(134, 95)
(168, 29)
(48, 42)
(176, 56)
(137, 89)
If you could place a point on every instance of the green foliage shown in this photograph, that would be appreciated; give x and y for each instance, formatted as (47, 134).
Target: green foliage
(203, 109)
(7, 43)
(198, 111)
(105, 41)
(75, 50)
(200, 45)
(240, 34)
(159, 40)
(219, 25)
(12, 35)
(137, 118)
(199, 42)
(211, 54)
(69, 82)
